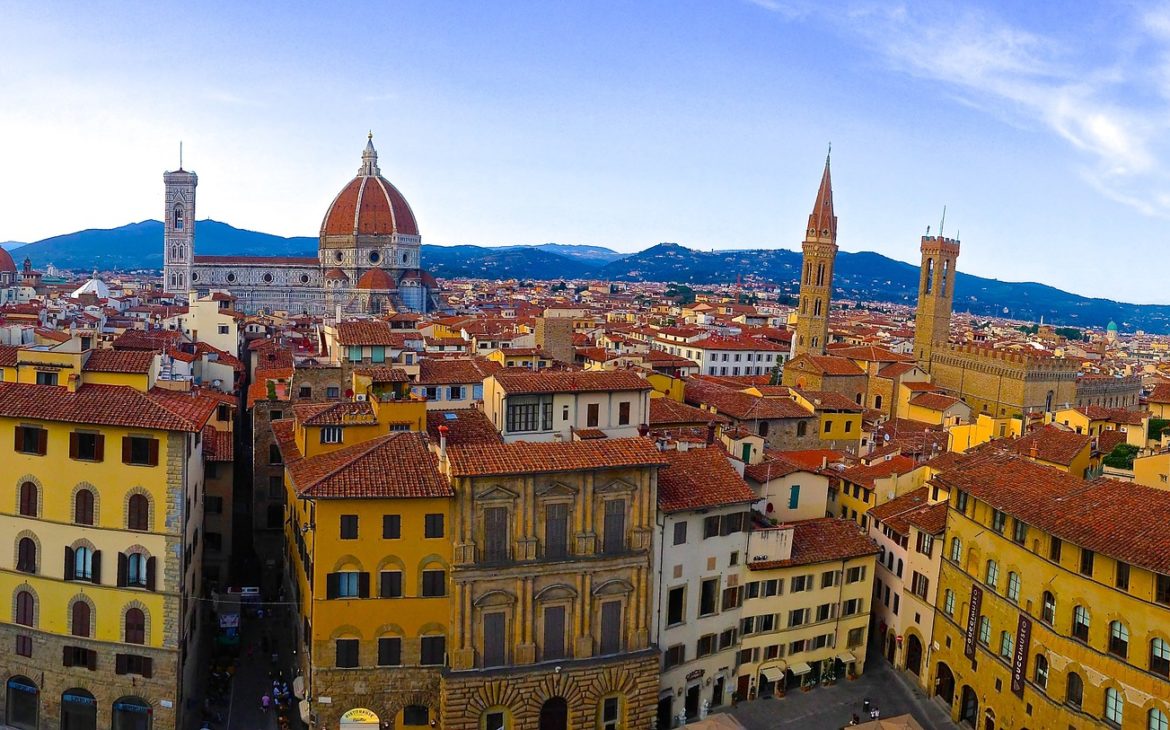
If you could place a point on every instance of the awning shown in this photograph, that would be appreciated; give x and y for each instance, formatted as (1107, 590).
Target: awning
(847, 656)
(303, 706)
(299, 687)
(800, 669)
(772, 674)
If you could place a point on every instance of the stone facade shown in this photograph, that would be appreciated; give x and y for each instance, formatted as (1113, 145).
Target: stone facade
(936, 294)
(387, 691)
(268, 493)
(816, 282)
(1109, 392)
(1003, 383)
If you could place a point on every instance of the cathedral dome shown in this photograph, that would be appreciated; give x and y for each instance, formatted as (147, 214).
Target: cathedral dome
(369, 204)
(375, 279)
(7, 265)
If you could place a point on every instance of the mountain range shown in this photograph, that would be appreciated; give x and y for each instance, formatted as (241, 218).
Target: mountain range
(863, 275)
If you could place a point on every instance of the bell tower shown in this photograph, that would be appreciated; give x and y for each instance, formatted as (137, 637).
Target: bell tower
(179, 229)
(816, 281)
(936, 295)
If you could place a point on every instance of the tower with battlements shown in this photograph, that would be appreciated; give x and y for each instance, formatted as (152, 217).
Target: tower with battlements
(936, 295)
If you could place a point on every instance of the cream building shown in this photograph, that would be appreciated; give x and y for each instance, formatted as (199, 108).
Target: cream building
(560, 405)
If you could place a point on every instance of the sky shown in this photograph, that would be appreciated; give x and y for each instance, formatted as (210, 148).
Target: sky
(1042, 127)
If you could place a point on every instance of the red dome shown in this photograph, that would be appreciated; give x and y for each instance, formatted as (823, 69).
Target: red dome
(375, 279)
(7, 265)
(369, 205)
(335, 274)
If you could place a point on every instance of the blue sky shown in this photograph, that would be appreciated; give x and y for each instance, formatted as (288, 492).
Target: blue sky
(1042, 126)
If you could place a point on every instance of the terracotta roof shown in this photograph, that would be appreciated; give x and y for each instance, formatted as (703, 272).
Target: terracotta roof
(1122, 520)
(455, 371)
(827, 400)
(394, 466)
(8, 354)
(518, 381)
(464, 426)
(700, 478)
(376, 279)
(372, 332)
(823, 540)
(867, 475)
(667, 411)
(334, 414)
(774, 468)
(1052, 444)
(810, 458)
(369, 205)
(1115, 415)
(258, 260)
(49, 334)
(146, 340)
(107, 405)
(119, 361)
(871, 353)
(742, 406)
(384, 374)
(217, 445)
(825, 364)
(1160, 394)
(1108, 439)
(753, 344)
(920, 387)
(934, 401)
(894, 512)
(525, 457)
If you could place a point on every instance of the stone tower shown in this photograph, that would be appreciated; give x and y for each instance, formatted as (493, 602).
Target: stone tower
(816, 282)
(936, 293)
(179, 230)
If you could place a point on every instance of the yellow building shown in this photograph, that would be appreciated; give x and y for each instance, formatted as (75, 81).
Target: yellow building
(807, 596)
(838, 418)
(1054, 599)
(101, 505)
(529, 358)
(1093, 420)
(867, 485)
(1153, 470)
(984, 428)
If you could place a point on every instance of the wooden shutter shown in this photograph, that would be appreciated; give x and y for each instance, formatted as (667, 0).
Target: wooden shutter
(97, 566)
(127, 449)
(99, 448)
(91, 659)
(495, 529)
(18, 441)
(332, 585)
(152, 449)
(363, 585)
(554, 633)
(494, 638)
(122, 569)
(611, 627)
(556, 529)
(73, 438)
(42, 441)
(615, 526)
(67, 656)
(68, 563)
(119, 664)
(150, 565)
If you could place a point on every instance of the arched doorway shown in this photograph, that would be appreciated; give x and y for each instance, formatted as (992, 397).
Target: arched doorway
(969, 707)
(554, 714)
(914, 654)
(944, 683)
(21, 702)
(78, 710)
(891, 647)
(131, 713)
(988, 720)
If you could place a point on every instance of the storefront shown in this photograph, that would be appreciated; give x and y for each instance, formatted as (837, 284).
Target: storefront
(132, 713)
(21, 701)
(78, 710)
(359, 718)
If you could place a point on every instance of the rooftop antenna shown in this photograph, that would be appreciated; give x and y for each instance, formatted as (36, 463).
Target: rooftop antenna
(928, 231)
(180, 155)
(942, 222)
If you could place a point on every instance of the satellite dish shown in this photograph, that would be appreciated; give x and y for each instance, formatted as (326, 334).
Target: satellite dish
(887, 437)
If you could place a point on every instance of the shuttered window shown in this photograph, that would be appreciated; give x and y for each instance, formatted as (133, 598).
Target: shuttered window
(140, 451)
(389, 651)
(135, 626)
(83, 507)
(28, 499)
(615, 526)
(31, 440)
(611, 627)
(556, 531)
(495, 528)
(81, 616)
(390, 584)
(494, 638)
(138, 513)
(554, 632)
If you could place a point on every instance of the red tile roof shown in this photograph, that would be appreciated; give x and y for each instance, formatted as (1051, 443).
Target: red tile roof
(742, 406)
(119, 361)
(825, 364)
(1052, 444)
(143, 340)
(774, 468)
(827, 400)
(669, 412)
(933, 401)
(456, 371)
(384, 374)
(372, 332)
(394, 466)
(217, 445)
(896, 369)
(107, 405)
(517, 381)
(1114, 415)
(1160, 394)
(1108, 439)
(8, 355)
(700, 478)
(464, 426)
(535, 458)
(334, 414)
(871, 353)
(867, 475)
(912, 508)
(823, 540)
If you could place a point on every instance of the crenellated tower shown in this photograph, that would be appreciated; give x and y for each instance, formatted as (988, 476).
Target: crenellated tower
(936, 294)
(816, 283)
(179, 230)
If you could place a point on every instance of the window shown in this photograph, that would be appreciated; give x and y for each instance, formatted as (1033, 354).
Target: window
(347, 584)
(46, 378)
(731, 598)
(829, 578)
(434, 650)
(378, 353)
(727, 639)
(1114, 706)
(828, 426)
(705, 646)
(26, 555)
(77, 656)
(494, 639)
(615, 526)
(680, 533)
(1074, 690)
(984, 630)
(853, 575)
(1080, 625)
(1162, 589)
(135, 626)
(1054, 546)
(924, 544)
(389, 651)
(31, 440)
(852, 606)
(556, 530)
(529, 413)
(332, 392)
(416, 715)
(993, 574)
(331, 434)
(797, 617)
(674, 656)
(856, 637)
(611, 627)
(1156, 720)
(803, 583)
(434, 583)
(79, 564)
(355, 353)
(433, 525)
(591, 415)
(793, 496)
(86, 446)
(390, 584)
(139, 451)
(610, 713)
(1160, 657)
(1005, 644)
(495, 534)
(732, 524)
(349, 527)
(961, 499)
(80, 615)
(1020, 533)
(624, 413)
(138, 513)
(212, 505)
(956, 549)
(1013, 587)
(708, 593)
(554, 633)
(391, 527)
(1048, 610)
(28, 499)
(919, 584)
(305, 391)
(347, 653)
(801, 428)
(1121, 577)
(1087, 562)
(949, 602)
(998, 521)
(1118, 639)
(676, 606)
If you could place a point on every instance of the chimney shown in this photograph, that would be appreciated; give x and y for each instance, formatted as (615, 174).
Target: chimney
(710, 432)
(824, 462)
(443, 444)
(644, 430)
(1034, 452)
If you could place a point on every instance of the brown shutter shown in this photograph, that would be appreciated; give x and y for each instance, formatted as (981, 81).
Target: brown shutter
(73, 436)
(126, 449)
(150, 563)
(364, 585)
(68, 563)
(494, 639)
(18, 439)
(67, 656)
(332, 585)
(152, 458)
(97, 566)
(121, 570)
(119, 664)
(147, 667)
(99, 449)
(554, 633)
(42, 441)
(91, 659)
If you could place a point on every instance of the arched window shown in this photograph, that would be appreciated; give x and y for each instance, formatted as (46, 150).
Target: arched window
(1114, 706)
(26, 555)
(993, 574)
(1048, 610)
(801, 428)
(138, 513)
(25, 608)
(928, 276)
(877, 402)
(763, 428)
(81, 616)
(179, 218)
(82, 563)
(1156, 720)
(1160, 657)
(1040, 676)
(135, 626)
(1074, 690)
(1080, 625)
(83, 507)
(1118, 639)
(817, 307)
(28, 499)
(899, 573)
(1013, 587)
(136, 570)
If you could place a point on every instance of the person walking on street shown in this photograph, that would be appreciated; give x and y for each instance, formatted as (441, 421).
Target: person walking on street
(264, 702)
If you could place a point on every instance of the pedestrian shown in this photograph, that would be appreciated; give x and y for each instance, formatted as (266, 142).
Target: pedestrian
(865, 706)
(875, 713)
(264, 702)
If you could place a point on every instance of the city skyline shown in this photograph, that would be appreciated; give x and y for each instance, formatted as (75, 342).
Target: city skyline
(683, 123)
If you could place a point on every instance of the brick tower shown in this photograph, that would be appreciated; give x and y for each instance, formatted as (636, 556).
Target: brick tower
(936, 293)
(816, 283)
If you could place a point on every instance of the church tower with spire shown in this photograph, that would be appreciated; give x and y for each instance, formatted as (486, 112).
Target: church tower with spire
(816, 280)
(179, 230)
(936, 294)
